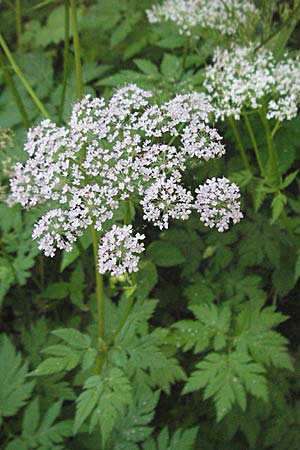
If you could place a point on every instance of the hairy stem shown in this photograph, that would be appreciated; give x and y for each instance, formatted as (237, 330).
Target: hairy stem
(11, 85)
(79, 79)
(66, 61)
(254, 143)
(22, 77)
(240, 144)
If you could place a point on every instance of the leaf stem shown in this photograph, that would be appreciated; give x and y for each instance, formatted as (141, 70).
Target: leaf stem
(275, 128)
(240, 144)
(23, 79)
(271, 150)
(255, 147)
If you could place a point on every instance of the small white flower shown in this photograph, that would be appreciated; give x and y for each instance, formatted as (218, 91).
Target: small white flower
(217, 202)
(226, 17)
(164, 199)
(119, 251)
(249, 78)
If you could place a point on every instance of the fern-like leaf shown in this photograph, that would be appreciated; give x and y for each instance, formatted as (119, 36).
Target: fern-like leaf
(14, 389)
(42, 433)
(227, 378)
(104, 397)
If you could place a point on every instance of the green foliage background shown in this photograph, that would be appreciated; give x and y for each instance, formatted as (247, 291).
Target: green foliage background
(208, 358)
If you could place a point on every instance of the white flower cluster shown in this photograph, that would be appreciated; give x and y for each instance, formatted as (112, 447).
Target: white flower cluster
(126, 149)
(224, 16)
(245, 77)
(118, 251)
(217, 203)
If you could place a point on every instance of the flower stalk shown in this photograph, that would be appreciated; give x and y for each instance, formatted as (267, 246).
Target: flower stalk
(22, 77)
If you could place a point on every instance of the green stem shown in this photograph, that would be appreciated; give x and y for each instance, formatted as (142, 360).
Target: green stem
(254, 143)
(79, 80)
(20, 74)
(11, 84)
(100, 301)
(127, 216)
(99, 285)
(271, 150)
(185, 51)
(18, 22)
(278, 123)
(239, 144)
(66, 61)
(99, 278)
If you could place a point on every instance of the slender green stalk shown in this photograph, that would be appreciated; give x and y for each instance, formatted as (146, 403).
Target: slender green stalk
(18, 22)
(254, 143)
(11, 84)
(79, 79)
(66, 61)
(271, 150)
(185, 51)
(99, 285)
(99, 278)
(23, 79)
(278, 123)
(239, 144)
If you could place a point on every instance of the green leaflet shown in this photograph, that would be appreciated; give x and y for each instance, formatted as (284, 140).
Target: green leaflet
(104, 397)
(180, 440)
(67, 357)
(227, 379)
(14, 388)
(41, 432)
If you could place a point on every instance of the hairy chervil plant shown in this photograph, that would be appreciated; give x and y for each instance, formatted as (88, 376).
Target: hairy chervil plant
(226, 17)
(119, 152)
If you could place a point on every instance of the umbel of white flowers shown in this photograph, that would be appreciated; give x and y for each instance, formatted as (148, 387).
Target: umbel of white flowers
(249, 78)
(116, 151)
(224, 16)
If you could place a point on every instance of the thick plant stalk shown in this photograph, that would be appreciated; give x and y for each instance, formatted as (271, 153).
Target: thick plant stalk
(240, 144)
(23, 79)
(271, 150)
(254, 143)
